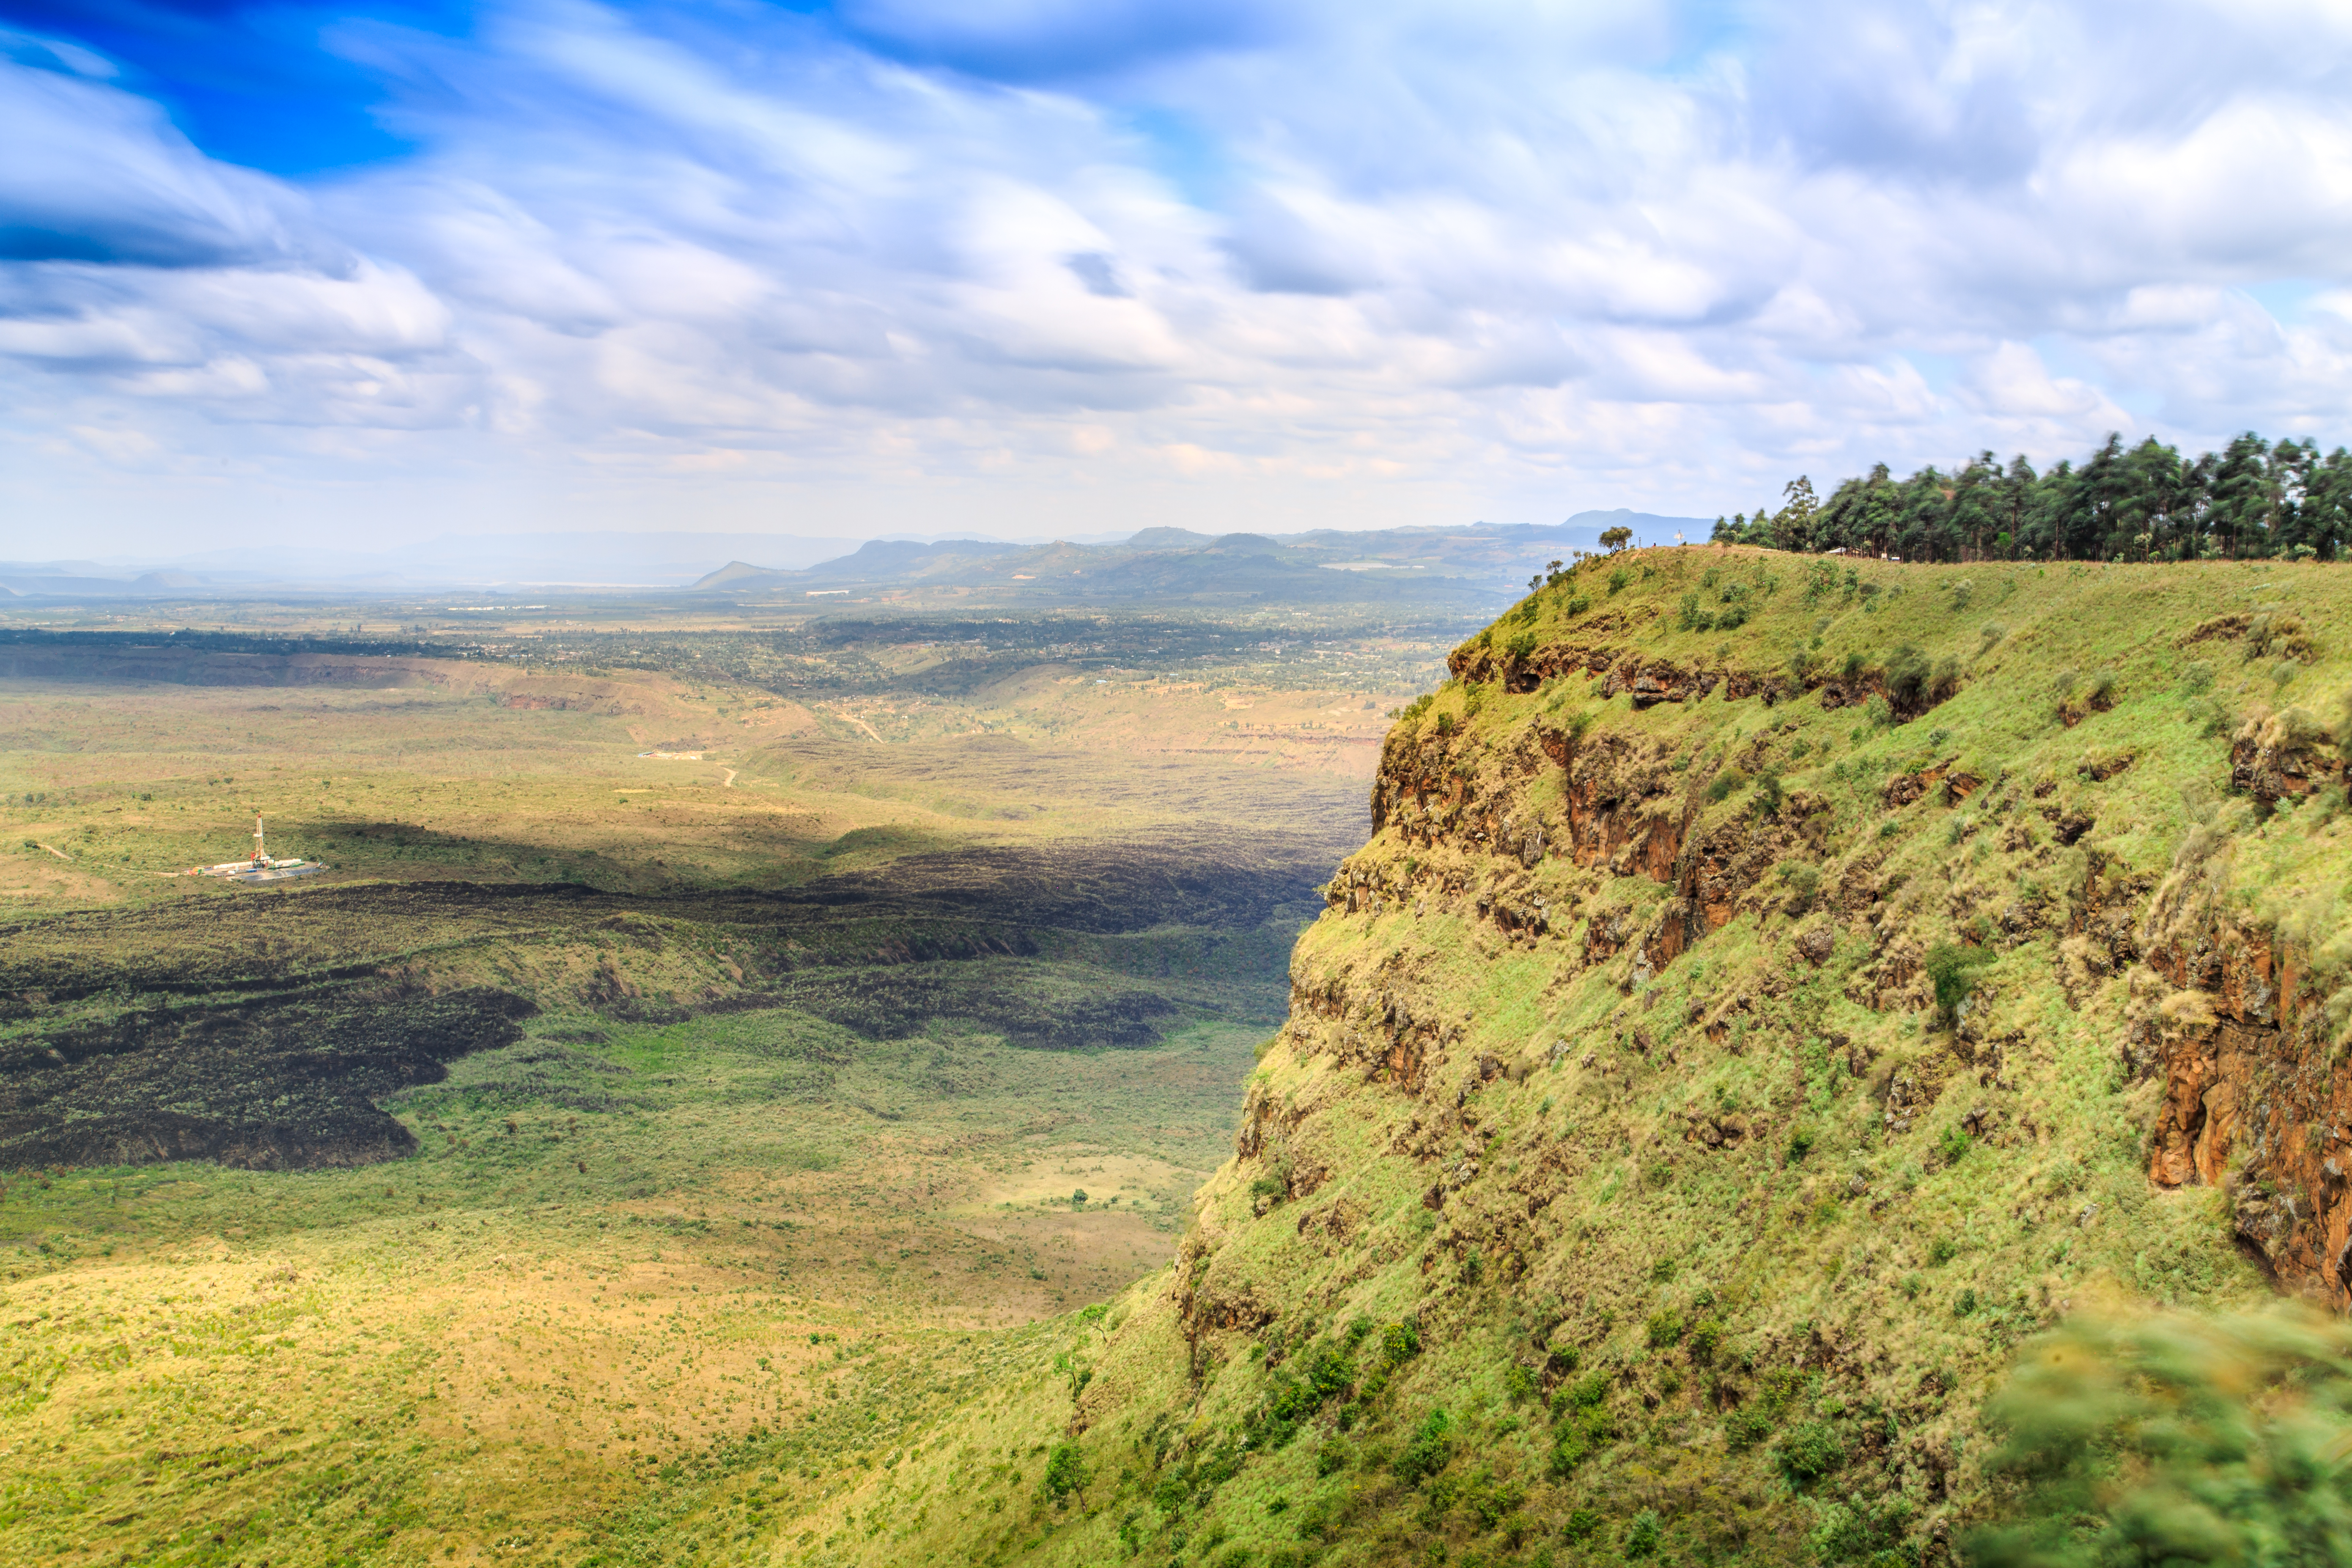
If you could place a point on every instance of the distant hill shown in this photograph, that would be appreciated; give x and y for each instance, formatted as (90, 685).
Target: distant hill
(1469, 567)
(733, 572)
(1473, 565)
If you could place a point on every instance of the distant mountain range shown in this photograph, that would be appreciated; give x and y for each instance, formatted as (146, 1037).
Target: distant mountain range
(1467, 566)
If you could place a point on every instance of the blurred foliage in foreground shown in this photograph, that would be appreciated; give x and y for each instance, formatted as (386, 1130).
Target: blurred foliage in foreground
(2167, 1439)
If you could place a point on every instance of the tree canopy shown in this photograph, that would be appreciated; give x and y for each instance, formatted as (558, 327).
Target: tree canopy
(2255, 498)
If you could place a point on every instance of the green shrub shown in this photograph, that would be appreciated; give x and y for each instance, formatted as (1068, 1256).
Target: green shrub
(1400, 1343)
(1744, 1428)
(1491, 1501)
(1721, 786)
(1583, 1524)
(1518, 1380)
(1577, 604)
(1951, 968)
(1329, 1373)
(1430, 1451)
(1859, 1530)
(1907, 678)
(1704, 1337)
(1296, 1393)
(1810, 1450)
(2166, 1438)
(1664, 1328)
(1800, 1143)
(1641, 1536)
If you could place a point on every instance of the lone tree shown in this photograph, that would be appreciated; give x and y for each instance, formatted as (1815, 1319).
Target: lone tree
(1617, 537)
(1065, 1472)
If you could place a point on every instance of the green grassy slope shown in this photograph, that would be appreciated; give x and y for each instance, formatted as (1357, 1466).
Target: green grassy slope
(636, 1276)
(1758, 1009)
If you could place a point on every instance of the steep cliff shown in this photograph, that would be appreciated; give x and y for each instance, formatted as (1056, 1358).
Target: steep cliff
(1773, 988)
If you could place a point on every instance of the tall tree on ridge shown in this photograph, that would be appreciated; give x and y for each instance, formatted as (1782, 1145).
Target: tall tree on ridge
(2240, 487)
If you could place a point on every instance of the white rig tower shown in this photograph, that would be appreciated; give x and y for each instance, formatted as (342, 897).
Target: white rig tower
(260, 868)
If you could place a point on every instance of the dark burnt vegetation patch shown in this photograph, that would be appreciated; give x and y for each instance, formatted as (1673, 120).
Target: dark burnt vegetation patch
(275, 1083)
(267, 1030)
(1040, 1006)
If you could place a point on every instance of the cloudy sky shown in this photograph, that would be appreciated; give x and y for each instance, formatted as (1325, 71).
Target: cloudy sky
(358, 274)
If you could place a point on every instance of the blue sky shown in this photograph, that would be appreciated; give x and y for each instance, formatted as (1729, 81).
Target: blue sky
(354, 274)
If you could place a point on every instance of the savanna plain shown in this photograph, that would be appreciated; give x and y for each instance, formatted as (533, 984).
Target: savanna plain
(715, 1052)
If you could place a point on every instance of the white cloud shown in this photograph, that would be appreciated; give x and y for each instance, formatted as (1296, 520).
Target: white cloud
(2012, 383)
(1393, 263)
(96, 173)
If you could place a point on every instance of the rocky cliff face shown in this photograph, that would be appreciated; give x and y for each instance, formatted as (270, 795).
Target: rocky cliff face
(2255, 1103)
(1712, 1069)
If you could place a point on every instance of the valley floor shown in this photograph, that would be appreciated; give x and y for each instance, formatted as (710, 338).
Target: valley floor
(612, 1156)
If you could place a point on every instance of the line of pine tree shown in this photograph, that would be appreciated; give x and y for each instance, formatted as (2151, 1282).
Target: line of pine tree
(2140, 503)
